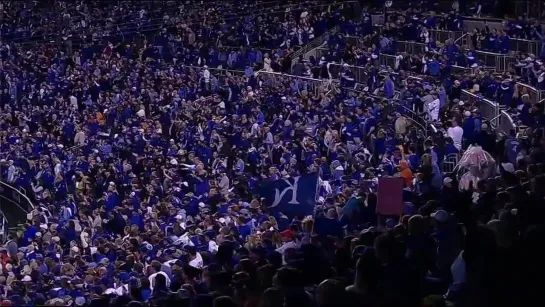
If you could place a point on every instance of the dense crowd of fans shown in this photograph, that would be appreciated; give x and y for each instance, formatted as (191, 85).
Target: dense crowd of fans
(406, 43)
(145, 163)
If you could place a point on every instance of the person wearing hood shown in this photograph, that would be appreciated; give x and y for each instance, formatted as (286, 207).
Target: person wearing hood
(406, 173)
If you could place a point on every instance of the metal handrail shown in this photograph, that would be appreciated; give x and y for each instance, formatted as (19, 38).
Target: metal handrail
(234, 71)
(9, 186)
(317, 42)
(14, 207)
(3, 228)
(417, 118)
(506, 123)
(490, 111)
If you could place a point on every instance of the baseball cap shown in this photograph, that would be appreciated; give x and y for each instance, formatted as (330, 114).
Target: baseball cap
(80, 301)
(440, 216)
(287, 234)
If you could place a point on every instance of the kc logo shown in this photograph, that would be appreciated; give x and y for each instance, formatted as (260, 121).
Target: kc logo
(291, 187)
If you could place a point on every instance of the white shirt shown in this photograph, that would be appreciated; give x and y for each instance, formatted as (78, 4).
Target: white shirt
(197, 262)
(286, 246)
(254, 131)
(433, 108)
(168, 262)
(73, 102)
(456, 133)
(58, 168)
(458, 269)
(79, 139)
(184, 240)
(152, 278)
(224, 185)
(122, 289)
(267, 64)
(270, 139)
(11, 173)
(212, 247)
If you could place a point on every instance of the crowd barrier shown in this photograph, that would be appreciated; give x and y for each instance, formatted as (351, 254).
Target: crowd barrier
(472, 23)
(356, 41)
(535, 94)
(3, 228)
(14, 205)
(489, 110)
(497, 61)
(518, 45)
(459, 37)
(506, 123)
(443, 35)
(388, 60)
(318, 41)
(360, 72)
(317, 53)
(377, 19)
(463, 39)
(275, 79)
(300, 83)
(221, 71)
(527, 46)
(411, 47)
(465, 71)
(500, 61)
(531, 9)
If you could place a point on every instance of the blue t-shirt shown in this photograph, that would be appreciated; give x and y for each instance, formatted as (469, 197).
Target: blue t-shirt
(512, 147)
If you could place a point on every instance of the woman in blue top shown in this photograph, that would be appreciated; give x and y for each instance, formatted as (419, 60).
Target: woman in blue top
(492, 40)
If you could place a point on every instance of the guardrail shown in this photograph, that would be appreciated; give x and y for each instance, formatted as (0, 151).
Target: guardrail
(535, 94)
(444, 35)
(317, 42)
(301, 83)
(471, 23)
(389, 60)
(14, 205)
(489, 110)
(4, 229)
(317, 53)
(506, 123)
(360, 72)
(377, 19)
(386, 60)
(530, 9)
(463, 38)
(499, 119)
(500, 61)
(524, 45)
(357, 41)
(497, 61)
(411, 47)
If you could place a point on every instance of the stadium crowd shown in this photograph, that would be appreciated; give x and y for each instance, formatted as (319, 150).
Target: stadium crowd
(146, 166)
(405, 43)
